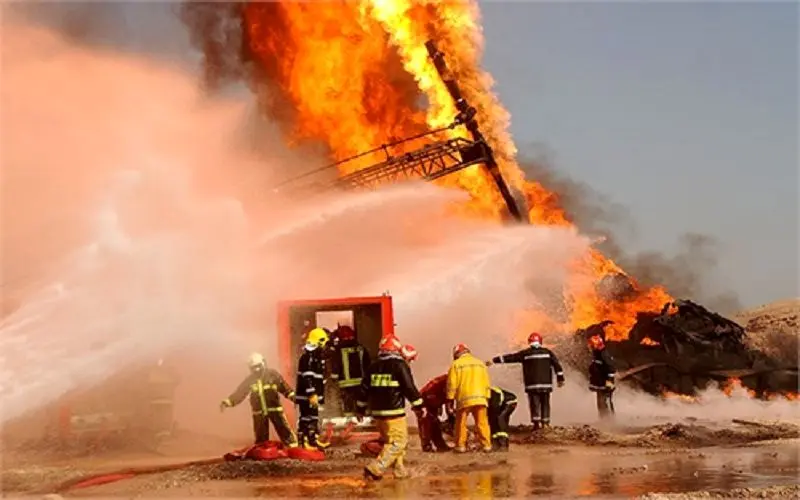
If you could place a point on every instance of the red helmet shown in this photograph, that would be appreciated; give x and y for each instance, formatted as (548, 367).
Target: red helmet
(535, 338)
(344, 332)
(596, 343)
(390, 344)
(459, 349)
(409, 352)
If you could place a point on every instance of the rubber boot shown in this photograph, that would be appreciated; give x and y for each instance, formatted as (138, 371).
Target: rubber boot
(502, 444)
(400, 471)
(371, 475)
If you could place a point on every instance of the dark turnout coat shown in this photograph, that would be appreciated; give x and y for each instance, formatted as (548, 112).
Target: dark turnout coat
(601, 370)
(538, 365)
(387, 385)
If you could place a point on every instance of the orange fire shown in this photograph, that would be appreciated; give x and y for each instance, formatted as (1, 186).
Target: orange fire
(649, 341)
(354, 71)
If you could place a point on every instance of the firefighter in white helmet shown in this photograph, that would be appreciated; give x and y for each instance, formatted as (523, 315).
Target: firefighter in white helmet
(264, 386)
(311, 389)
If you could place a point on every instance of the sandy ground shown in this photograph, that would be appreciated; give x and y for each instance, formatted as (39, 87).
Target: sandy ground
(676, 458)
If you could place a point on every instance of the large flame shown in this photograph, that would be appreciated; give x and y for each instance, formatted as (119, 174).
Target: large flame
(354, 71)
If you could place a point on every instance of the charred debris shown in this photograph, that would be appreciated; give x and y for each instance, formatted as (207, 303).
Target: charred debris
(685, 348)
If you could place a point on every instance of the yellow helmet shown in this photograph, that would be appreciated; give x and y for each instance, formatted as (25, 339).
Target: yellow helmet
(318, 337)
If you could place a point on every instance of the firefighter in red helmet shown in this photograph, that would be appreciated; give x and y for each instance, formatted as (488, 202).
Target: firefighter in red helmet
(349, 362)
(538, 365)
(602, 376)
(386, 386)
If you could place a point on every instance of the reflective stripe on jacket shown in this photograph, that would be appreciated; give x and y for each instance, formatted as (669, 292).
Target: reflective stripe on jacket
(468, 382)
(264, 391)
(386, 386)
(350, 360)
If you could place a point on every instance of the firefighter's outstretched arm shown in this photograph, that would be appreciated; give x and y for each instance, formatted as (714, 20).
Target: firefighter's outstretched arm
(284, 388)
(237, 397)
(517, 357)
(408, 386)
(556, 365)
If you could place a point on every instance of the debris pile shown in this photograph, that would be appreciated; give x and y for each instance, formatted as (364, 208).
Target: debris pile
(685, 347)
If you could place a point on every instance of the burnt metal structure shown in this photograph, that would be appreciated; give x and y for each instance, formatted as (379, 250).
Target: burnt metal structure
(433, 160)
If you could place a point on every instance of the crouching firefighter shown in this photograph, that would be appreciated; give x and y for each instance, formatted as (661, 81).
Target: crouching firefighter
(538, 365)
(502, 404)
(311, 389)
(386, 386)
(602, 376)
(434, 397)
(349, 361)
(265, 386)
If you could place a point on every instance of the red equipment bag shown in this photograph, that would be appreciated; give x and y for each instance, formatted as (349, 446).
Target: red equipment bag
(268, 450)
(371, 448)
(307, 455)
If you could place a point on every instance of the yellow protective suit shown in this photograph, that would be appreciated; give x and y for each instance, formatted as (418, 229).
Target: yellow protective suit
(394, 435)
(469, 387)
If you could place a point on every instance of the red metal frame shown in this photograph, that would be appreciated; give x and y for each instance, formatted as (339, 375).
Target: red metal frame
(284, 325)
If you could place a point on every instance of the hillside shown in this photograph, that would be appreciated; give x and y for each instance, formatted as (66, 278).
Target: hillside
(774, 328)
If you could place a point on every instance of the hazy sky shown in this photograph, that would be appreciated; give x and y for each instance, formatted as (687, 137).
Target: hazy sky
(685, 113)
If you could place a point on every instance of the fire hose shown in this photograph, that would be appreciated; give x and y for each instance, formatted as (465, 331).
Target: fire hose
(98, 479)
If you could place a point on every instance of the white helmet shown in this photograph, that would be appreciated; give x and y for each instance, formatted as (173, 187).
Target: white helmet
(255, 360)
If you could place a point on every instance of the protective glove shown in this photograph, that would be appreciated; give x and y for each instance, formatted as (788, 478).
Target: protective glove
(313, 400)
(292, 397)
(561, 383)
(224, 404)
(489, 363)
(610, 385)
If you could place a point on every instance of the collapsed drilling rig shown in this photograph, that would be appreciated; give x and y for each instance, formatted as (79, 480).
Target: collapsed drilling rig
(435, 159)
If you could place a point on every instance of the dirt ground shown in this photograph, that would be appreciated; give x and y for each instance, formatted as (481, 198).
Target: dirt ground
(739, 459)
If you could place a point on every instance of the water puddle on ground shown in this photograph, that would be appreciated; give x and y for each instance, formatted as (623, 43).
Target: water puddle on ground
(562, 473)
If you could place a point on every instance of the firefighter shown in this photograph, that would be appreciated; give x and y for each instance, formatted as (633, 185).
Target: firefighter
(264, 386)
(502, 404)
(434, 397)
(311, 389)
(468, 391)
(386, 386)
(349, 361)
(538, 365)
(602, 376)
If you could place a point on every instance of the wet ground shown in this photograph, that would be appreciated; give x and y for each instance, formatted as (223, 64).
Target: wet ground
(566, 462)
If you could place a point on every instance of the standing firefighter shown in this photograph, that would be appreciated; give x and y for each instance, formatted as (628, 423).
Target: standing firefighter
(502, 404)
(311, 388)
(601, 376)
(264, 386)
(386, 386)
(349, 362)
(538, 365)
(468, 391)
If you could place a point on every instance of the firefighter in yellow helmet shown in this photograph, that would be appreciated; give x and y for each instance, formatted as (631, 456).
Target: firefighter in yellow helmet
(311, 388)
(264, 386)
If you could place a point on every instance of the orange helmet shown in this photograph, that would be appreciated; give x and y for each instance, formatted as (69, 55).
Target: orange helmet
(596, 343)
(390, 344)
(459, 349)
(409, 352)
(535, 339)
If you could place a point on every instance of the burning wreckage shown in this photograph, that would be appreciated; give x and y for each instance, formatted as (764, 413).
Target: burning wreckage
(680, 350)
